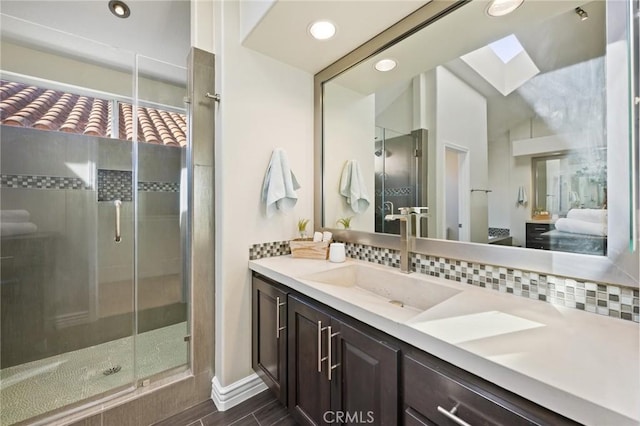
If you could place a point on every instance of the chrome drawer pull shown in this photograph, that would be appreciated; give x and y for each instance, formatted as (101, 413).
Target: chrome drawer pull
(452, 415)
(320, 357)
(330, 366)
(278, 306)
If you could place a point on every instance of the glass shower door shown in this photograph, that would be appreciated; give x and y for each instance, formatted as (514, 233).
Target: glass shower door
(399, 168)
(67, 287)
(95, 221)
(162, 219)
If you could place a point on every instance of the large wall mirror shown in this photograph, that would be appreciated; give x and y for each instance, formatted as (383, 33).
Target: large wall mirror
(505, 127)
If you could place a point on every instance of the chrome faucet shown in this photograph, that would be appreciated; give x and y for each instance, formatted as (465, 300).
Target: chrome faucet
(405, 217)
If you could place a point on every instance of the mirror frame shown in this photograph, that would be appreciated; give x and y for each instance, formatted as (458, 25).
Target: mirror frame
(621, 265)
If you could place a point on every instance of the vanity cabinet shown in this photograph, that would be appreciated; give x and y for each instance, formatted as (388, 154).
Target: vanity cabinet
(535, 239)
(338, 374)
(333, 366)
(437, 393)
(269, 334)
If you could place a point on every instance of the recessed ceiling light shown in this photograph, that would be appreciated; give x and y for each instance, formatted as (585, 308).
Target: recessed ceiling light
(385, 65)
(503, 7)
(119, 8)
(322, 30)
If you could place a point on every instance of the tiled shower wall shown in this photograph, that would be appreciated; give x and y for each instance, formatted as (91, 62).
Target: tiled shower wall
(604, 299)
(66, 182)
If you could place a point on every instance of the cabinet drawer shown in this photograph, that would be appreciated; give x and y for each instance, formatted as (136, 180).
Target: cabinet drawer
(536, 229)
(429, 392)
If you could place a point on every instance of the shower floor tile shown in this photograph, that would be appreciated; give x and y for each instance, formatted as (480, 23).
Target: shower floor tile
(34, 388)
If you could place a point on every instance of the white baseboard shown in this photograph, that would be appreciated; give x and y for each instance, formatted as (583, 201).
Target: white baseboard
(225, 397)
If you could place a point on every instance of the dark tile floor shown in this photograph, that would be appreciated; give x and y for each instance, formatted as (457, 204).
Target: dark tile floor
(261, 410)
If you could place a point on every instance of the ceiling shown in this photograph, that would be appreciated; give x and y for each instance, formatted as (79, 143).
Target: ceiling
(548, 30)
(282, 32)
(160, 29)
(86, 29)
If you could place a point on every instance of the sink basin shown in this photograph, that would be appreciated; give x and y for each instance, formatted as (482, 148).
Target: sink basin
(393, 288)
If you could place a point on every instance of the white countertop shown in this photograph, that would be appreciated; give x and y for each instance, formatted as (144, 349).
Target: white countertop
(582, 365)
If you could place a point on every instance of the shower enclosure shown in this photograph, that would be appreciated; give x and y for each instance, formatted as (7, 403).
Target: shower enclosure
(400, 166)
(95, 224)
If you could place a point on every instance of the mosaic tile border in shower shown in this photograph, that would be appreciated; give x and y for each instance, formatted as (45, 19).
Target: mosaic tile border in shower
(107, 183)
(499, 232)
(395, 192)
(115, 185)
(603, 299)
(158, 186)
(42, 182)
(271, 249)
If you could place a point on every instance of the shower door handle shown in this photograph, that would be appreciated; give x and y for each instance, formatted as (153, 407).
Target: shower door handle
(118, 204)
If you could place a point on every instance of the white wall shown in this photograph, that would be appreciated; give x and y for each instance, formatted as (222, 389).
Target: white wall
(202, 28)
(520, 170)
(501, 199)
(349, 134)
(424, 117)
(265, 104)
(26, 61)
(461, 120)
(398, 116)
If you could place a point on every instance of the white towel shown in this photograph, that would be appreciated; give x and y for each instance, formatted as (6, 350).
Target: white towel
(12, 228)
(278, 189)
(576, 226)
(588, 215)
(522, 196)
(352, 187)
(14, 216)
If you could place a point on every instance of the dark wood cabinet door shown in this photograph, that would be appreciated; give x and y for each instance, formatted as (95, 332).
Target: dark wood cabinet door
(309, 389)
(364, 382)
(269, 353)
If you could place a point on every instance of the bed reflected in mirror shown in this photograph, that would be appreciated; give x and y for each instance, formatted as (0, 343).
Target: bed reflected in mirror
(569, 204)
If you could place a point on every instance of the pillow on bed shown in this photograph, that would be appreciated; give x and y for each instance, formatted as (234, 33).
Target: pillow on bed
(576, 226)
(588, 215)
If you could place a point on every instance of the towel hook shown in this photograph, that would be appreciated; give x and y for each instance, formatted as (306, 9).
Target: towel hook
(215, 96)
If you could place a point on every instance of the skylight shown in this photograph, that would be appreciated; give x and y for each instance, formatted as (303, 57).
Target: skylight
(505, 64)
(507, 48)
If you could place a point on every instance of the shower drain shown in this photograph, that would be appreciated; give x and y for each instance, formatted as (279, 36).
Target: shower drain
(112, 370)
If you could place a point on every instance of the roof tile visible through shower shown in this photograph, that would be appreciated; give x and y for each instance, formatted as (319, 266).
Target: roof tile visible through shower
(45, 109)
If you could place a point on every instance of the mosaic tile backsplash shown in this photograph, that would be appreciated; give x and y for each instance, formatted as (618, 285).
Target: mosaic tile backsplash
(604, 299)
(276, 248)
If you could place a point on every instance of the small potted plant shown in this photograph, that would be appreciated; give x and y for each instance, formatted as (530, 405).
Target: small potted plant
(345, 222)
(302, 227)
